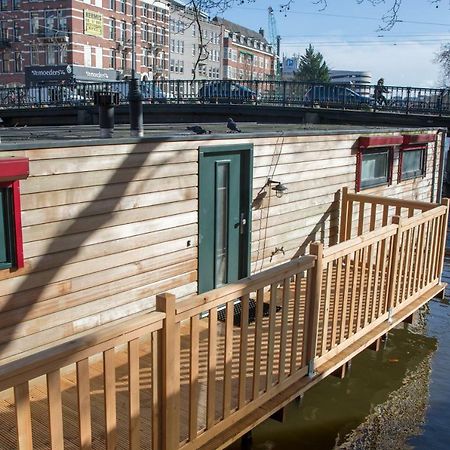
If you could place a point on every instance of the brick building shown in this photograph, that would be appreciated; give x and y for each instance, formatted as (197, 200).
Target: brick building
(246, 53)
(72, 40)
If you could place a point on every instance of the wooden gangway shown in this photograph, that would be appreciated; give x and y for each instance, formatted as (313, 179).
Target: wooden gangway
(196, 374)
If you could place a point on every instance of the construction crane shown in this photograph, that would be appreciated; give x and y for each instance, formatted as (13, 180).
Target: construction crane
(275, 41)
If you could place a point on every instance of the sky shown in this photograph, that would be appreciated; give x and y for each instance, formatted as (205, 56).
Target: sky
(348, 35)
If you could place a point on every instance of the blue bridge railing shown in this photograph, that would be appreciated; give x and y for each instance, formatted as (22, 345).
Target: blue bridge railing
(281, 93)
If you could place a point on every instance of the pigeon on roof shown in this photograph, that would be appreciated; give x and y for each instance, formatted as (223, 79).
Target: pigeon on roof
(231, 125)
(197, 129)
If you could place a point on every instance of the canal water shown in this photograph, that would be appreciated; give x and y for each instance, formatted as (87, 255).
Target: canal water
(397, 398)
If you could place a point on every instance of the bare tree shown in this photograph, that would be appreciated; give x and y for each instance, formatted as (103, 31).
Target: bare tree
(217, 7)
(388, 20)
(443, 58)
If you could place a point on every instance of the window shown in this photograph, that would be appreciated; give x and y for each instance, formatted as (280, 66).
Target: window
(112, 5)
(3, 31)
(413, 156)
(51, 55)
(16, 31)
(411, 163)
(374, 167)
(144, 32)
(87, 55)
(123, 6)
(16, 4)
(4, 63)
(6, 228)
(112, 29)
(11, 242)
(18, 62)
(99, 57)
(3, 5)
(34, 23)
(112, 59)
(123, 31)
(34, 55)
(374, 160)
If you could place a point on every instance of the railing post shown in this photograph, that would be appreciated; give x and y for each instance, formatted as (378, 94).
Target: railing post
(444, 202)
(313, 306)
(169, 373)
(408, 95)
(344, 213)
(394, 258)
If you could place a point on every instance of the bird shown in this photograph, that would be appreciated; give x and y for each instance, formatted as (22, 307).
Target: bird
(197, 129)
(231, 125)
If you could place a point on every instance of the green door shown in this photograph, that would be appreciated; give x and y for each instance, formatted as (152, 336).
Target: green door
(224, 215)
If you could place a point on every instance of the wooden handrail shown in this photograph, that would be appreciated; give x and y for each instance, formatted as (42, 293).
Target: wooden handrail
(424, 206)
(46, 361)
(346, 247)
(424, 217)
(198, 303)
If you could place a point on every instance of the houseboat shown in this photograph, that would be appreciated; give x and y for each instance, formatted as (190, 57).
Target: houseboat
(174, 291)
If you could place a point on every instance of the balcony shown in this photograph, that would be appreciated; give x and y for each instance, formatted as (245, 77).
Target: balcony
(53, 35)
(195, 375)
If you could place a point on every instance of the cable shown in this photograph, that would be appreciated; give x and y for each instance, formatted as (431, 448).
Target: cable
(343, 16)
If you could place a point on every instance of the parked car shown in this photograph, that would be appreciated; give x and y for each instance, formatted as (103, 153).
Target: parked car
(338, 95)
(150, 92)
(225, 92)
(50, 95)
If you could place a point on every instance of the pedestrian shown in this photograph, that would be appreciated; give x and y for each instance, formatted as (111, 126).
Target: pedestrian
(380, 89)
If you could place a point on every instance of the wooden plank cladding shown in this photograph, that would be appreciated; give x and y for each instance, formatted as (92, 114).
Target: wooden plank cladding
(108, 227)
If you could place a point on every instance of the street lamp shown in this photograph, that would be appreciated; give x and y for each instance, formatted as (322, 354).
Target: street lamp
(134, 92)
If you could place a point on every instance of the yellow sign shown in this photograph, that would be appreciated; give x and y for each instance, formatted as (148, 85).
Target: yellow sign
(93, 23)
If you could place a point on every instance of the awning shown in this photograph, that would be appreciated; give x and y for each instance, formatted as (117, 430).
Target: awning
(12, 169)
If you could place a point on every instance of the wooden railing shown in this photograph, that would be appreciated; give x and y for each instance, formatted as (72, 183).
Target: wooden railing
(361, 213)
(217, 359)
(139, 337)
(247, 359)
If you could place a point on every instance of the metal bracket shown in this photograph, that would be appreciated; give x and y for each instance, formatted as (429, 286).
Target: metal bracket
(311, 369)
(390, 315)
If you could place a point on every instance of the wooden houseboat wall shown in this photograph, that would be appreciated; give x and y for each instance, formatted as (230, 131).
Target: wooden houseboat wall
(108, 225)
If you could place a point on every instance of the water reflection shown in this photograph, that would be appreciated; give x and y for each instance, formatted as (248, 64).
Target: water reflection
(398, 398)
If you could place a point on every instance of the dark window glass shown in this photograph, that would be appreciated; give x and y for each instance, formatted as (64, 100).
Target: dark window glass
(374, 167)
(413, 163)
(6, 234)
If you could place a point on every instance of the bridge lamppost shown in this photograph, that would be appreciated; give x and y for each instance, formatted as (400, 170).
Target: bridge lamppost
(134, 91)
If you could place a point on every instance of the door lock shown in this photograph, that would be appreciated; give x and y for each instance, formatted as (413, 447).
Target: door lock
(242, 223)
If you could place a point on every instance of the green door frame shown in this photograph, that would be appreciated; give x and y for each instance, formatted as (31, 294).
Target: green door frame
(246, 184)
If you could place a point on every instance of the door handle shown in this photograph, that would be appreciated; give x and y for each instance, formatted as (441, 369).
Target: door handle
(242, 223)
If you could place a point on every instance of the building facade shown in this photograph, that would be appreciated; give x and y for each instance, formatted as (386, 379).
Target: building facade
(194, 48)
(81, 40)
(350, 77)
(246, 53)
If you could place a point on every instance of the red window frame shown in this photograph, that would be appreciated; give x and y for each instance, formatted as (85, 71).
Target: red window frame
(12, 170)
(371, 142)
(414, 142)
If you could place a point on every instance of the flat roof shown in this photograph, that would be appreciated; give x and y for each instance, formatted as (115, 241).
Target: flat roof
(21, 138)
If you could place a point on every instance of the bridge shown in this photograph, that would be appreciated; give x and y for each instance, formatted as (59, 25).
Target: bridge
(183, 101)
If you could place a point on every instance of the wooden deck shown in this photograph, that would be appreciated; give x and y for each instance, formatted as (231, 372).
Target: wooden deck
(182, 378)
